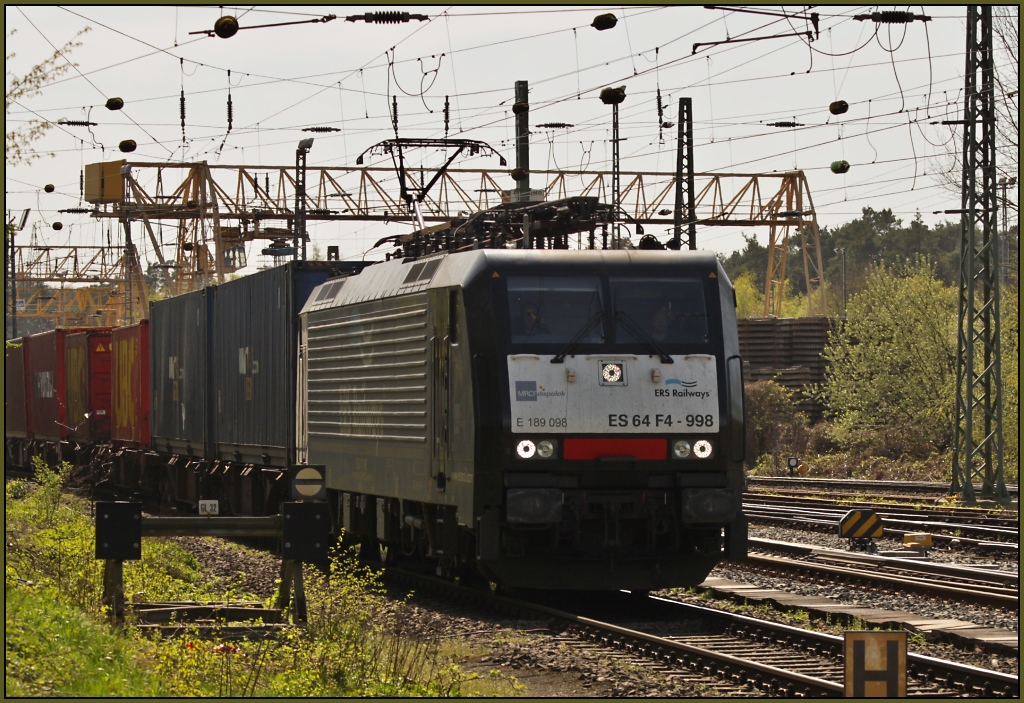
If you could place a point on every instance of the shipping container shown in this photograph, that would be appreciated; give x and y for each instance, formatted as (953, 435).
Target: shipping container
(16, 410)
(130, 386)
(47, 386)
(179, 328)
(87, 368)
(256, 336)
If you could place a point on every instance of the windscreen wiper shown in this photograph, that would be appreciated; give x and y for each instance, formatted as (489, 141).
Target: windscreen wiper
(620, 316)
(571, 344)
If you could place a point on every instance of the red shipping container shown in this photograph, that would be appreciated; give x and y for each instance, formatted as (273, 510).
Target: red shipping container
(87, 359)
(15, 398)
(47, 387)
(130, 385)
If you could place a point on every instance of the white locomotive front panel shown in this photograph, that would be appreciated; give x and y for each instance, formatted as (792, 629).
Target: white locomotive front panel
(613, 394)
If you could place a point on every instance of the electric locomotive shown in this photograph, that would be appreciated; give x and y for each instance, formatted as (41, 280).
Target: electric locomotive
(539, 418)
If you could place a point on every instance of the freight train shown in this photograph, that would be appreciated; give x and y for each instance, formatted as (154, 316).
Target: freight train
(534, 418)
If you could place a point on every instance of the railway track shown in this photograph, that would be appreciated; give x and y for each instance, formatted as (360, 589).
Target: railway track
(902, 488)
(1000, 540)
(728, 653)
(964, 584)
(983, 517)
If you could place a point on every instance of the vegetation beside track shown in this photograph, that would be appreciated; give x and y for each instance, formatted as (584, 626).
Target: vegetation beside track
(890, 386)
(59, 643)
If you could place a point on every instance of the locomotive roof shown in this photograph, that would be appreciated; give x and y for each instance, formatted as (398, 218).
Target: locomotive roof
(399, 277)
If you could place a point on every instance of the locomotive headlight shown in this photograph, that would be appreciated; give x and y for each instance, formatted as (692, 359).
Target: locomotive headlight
(702, 448)
(526, 449)
(611, 373)
(681, 449)
(545, 448)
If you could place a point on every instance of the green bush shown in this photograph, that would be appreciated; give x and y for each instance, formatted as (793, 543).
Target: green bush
(774, 427)
(891, 374)
(49, 538)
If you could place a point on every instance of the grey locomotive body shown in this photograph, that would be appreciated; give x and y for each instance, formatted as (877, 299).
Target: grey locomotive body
(544, 419)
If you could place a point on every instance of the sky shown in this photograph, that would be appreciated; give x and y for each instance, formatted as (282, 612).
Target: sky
(898, 80)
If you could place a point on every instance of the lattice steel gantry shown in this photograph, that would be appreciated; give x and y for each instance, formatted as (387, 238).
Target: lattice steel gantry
(978, 432)
(205, 198)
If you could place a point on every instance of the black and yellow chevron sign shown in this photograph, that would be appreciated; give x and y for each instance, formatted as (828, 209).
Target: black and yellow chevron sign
(860, 523)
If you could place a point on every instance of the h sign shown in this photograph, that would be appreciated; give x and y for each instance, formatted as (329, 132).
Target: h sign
(876, 664)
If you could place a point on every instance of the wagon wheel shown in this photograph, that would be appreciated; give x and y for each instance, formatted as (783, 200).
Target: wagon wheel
(167, 503)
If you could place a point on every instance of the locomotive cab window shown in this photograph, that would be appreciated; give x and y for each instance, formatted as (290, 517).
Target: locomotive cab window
(668, 311)
(553, 309)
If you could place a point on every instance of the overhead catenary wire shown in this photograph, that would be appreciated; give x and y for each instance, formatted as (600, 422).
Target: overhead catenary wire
(409, 117)
(75, 67)
(293, 79)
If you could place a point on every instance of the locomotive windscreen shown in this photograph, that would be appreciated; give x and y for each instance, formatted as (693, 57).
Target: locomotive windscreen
(552, 309)
(667, 310)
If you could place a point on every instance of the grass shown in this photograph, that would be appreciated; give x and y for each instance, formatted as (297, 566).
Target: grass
(54, 649)
(59, 643)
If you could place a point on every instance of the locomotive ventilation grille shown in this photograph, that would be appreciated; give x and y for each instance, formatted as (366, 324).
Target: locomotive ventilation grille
(367, 367)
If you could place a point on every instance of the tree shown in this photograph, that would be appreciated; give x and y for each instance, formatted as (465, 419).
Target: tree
(19, 88)
(1010, 347)
(749, 300)
(752, 261)
(891, 374)
(876, 237)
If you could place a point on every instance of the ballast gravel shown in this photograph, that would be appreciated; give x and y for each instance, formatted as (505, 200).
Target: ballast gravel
(538, 654)
(854, 595)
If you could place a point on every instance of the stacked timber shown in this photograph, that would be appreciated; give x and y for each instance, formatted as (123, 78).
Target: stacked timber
(788, 351)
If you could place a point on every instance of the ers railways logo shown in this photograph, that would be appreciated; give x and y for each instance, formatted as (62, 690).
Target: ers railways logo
(528, 391)
(685, 390)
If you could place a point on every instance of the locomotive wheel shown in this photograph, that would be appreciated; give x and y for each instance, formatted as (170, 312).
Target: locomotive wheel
(470, 577)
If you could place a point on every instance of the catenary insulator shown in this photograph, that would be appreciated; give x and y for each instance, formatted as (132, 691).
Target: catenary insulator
(893, 17)
(386, 17)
